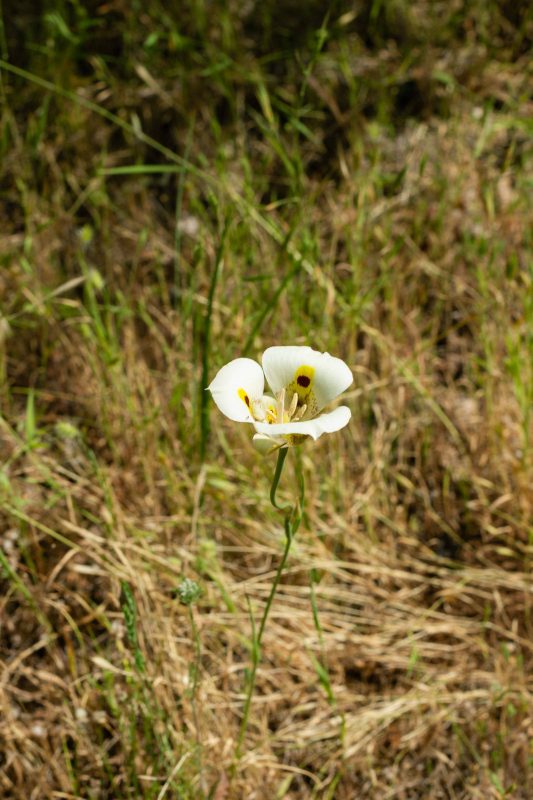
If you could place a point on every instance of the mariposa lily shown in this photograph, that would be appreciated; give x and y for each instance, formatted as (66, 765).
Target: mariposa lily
(302, 381)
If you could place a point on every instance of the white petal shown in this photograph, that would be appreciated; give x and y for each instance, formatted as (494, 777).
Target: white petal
(318, 378)
(325, 423)
(236, 387)
(267, 444)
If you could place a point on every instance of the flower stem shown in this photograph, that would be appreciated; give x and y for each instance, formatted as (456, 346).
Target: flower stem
(195, 671)
(282, 455)
(291, 522)
(256, 649)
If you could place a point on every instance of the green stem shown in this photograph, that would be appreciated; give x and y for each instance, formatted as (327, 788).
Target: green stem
(288, 541)
(204, 409)
(282, 455)
(256, 651)
(195, 672)
(291, 522)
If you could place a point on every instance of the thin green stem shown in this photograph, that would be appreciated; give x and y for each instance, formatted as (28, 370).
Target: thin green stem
(204, 409)
(102, 112)
(282, 455)
(272, 302)
(195, 671)
(277, 578)
(178, 287)
(256, 650)
(292, 520)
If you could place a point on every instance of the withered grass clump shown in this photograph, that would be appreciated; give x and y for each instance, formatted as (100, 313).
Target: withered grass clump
(179, 189)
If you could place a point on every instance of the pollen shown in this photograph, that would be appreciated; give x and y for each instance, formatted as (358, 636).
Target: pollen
(271, 414)
(294, 405)
(244, 397)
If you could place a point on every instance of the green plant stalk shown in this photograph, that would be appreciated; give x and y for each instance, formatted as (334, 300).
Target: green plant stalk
(271, 304)
(282, 455)
(204, 411)
(256, 650)
(97, 109)
(195, 671)
(293, 515)
(321, 666)
(177, 230)
(21, 587)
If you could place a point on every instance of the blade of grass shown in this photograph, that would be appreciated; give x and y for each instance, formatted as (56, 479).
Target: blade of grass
(204, 408)
(177, 216)
(272, 302)
(102, 112)
(22, 589)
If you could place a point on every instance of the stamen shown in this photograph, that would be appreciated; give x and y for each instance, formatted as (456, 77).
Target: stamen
(293, 405)
(299, 414)
(281, 402)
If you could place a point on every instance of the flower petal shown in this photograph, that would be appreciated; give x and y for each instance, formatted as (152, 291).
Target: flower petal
(236, 387)
(267, 444)
(325, 423)
(317, 378)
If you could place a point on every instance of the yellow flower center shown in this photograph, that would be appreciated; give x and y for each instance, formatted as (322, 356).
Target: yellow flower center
(283, 411)
(302, 382)
(302, 385)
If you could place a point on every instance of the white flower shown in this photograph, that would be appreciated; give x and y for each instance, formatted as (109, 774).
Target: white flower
(302, 381)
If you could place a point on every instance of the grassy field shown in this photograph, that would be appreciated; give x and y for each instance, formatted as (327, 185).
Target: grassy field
(182, 184)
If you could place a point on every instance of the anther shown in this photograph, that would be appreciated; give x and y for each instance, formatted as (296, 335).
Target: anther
(300, 413)
(281, 402)
(293, 405)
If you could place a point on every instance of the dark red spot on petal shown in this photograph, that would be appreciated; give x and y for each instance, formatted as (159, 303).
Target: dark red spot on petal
(303, 380)
(247, 400)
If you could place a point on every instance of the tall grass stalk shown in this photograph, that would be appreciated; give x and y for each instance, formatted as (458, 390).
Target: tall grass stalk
(204, 414)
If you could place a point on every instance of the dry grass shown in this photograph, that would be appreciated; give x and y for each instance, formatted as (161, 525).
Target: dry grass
(391, 228)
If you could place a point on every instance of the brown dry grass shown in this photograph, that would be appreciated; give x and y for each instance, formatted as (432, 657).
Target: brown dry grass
(411, 246)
